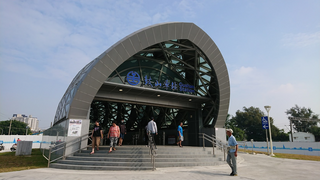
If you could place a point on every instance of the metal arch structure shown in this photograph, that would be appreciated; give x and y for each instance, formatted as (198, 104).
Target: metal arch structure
(77, 99)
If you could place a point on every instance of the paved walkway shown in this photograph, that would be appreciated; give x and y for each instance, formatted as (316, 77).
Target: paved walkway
(252, 167)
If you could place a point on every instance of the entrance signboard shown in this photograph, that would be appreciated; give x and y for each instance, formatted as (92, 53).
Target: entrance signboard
(74, 127)
(133, 78)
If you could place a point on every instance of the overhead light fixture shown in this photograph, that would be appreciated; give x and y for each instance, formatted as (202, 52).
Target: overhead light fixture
(158, 95)
(190, 100)
(120, 90)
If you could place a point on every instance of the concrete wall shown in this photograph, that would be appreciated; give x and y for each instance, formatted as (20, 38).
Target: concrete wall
(9, 140)
(59, 134)
(302, 137)
(304, 148)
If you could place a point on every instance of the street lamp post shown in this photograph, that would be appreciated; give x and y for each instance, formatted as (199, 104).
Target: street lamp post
(271, 146)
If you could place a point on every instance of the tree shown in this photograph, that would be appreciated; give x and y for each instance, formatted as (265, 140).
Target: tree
(17, 127)
(238, 133)
(279, 134)
(302, 126)
(247, 125)
(315, 130)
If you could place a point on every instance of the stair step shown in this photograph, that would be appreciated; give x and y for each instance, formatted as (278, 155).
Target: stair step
(120, 151)
(118, 159)
(137, 158)
(105, 168)
(140, 155)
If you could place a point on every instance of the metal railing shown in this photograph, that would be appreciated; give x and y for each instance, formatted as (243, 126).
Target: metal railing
(135, 139)
(54, 149)
(215, 143)
(152, 151)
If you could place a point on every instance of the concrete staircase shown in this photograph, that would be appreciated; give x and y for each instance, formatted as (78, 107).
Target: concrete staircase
(138, 158)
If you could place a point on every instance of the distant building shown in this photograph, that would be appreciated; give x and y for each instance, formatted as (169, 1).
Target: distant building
(302, 137)
(32, 122)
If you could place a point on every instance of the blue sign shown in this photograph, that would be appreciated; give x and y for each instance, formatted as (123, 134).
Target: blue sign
(264, 121)
(133, 78)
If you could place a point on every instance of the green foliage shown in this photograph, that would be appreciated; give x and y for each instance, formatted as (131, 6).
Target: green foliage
(279, 134)
(17, 127)
(302, 126)
(247, 125)
(11, 162)
(238, 133)
(315, 130)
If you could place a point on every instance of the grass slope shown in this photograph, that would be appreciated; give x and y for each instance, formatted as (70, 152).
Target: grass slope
(287, 156)
(10, 162)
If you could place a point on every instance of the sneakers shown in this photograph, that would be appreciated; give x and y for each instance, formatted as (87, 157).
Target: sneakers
(231, 174)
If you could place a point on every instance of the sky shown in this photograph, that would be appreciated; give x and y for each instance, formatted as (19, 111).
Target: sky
(271, 48)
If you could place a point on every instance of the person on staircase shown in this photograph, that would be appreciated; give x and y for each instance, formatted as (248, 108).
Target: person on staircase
(123, 131)
(113, 134)
(180, 134)
(153, 130)
(96, 136)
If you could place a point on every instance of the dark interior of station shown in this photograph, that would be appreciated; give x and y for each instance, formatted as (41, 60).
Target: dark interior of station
(137, 116)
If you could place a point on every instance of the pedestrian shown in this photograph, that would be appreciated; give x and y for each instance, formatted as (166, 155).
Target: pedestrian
(123, 131)
(96, 136)
(153, 130)
(18, 140)
(113, 134)
(180, 134)
(232, 152)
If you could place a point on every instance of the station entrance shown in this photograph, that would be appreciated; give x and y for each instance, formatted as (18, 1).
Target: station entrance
(137, 116)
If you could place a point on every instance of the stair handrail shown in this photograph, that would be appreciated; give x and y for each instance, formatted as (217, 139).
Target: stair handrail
(64, 145)
(215, 142)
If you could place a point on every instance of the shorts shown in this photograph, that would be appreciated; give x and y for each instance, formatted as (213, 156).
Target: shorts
(96, 141)
(122, 135)
(180, 138)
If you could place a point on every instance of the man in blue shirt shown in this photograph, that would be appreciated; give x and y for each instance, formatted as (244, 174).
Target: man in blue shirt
(232, 152)
(180, 134)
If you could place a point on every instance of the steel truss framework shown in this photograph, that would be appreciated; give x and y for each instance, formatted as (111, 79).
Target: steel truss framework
(137, 116)
(177, 60)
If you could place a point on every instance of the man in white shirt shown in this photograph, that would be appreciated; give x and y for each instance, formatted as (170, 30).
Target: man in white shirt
(153, 130)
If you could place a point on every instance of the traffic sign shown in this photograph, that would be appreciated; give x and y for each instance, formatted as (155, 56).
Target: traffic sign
(264, 121)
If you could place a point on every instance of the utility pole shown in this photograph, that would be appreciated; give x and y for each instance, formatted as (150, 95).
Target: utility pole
(10, 126)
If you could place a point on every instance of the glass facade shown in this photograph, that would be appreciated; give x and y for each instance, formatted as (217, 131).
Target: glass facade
(178, 66)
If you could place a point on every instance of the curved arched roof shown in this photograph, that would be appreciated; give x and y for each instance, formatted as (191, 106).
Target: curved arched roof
(82, 90)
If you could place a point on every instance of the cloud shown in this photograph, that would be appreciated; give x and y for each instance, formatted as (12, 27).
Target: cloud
(248, 77)
(244, 71)
(284, 89)
(301, 39)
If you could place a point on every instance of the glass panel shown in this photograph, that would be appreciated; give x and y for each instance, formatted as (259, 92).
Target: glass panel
(128, 64)
(150, 63)
(206, 77)
(204, 70)
(116, 80)
(202, 60)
